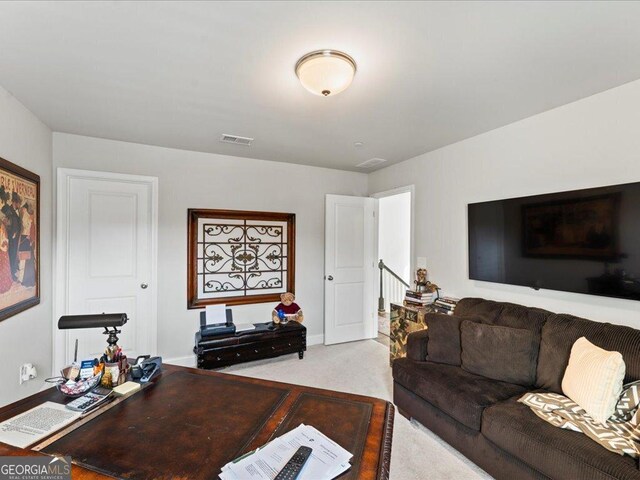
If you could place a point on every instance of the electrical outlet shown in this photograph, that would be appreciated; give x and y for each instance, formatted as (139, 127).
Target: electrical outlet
(27, 372)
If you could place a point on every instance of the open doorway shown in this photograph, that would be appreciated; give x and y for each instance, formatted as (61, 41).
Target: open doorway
(395, 251)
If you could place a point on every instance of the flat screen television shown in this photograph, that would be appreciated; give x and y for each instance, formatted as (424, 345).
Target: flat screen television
(583, 241)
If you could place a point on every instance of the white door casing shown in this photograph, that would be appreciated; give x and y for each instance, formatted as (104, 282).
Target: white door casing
(106, 260)
(350, 265)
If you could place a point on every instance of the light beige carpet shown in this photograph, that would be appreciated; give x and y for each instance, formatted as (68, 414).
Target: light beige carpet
(363, 368)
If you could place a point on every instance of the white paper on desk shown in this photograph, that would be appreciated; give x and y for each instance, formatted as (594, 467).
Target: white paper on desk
(327, 454)
(216, 314)
(244, 327)
(327, 461)
(35, 424)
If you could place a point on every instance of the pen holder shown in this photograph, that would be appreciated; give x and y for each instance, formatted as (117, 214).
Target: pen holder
(114, 370)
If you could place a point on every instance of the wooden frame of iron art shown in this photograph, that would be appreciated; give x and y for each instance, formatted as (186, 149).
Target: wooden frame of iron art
(19, 239)
(239, 257)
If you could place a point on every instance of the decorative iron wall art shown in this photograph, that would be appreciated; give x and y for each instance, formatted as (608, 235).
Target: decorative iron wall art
(239, 257)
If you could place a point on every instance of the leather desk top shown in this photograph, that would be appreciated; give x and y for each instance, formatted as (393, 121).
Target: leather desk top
(190, 422)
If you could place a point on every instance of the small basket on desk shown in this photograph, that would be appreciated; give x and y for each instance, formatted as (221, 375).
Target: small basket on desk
(78, 389)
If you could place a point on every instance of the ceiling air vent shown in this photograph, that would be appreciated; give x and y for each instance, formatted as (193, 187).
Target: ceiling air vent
(371, 162)
(235, 139)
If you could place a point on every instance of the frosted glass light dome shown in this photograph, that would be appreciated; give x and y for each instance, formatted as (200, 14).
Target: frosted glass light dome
(326, 72)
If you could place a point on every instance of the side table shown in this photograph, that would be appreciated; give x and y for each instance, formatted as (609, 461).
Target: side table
(403, 321)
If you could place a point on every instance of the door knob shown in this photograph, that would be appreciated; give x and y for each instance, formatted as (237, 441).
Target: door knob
(329, 278)
(143, 286)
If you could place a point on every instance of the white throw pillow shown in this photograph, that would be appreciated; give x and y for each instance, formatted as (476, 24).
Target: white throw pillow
(593, 379)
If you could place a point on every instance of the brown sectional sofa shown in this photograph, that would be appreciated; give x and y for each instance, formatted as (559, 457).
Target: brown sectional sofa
(482, 418)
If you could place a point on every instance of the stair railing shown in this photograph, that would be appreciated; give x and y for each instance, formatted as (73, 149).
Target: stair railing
(392, 284)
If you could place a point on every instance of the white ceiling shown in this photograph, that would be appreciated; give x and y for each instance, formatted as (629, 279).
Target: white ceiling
(180, 74)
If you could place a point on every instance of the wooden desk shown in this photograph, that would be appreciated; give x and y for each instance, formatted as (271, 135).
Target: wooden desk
(190, 422)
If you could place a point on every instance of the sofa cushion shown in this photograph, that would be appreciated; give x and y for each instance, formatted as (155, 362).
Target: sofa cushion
(444, 338)
(486, 310)
(461, 395)
(593, 379)
(560, 333)
(519, 316)
(555, 452)
(501, 353)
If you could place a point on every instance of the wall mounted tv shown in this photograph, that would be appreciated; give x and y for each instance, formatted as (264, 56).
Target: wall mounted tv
(583, 241)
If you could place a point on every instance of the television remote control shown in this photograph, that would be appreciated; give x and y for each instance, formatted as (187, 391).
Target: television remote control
(294, 466)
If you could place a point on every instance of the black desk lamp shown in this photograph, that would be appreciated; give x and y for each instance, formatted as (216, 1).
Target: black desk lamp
(102, 320)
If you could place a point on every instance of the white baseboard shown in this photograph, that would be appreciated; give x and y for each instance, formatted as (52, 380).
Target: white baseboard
(315, 340)
(187, 361)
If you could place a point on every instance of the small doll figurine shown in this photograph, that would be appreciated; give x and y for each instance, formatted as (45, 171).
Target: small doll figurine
(421, 279)
(422, 284)
(287, 310)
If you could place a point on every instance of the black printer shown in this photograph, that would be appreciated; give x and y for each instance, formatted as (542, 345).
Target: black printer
(216, 329)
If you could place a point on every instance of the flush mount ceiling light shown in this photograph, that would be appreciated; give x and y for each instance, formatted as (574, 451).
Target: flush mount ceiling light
(326, 72)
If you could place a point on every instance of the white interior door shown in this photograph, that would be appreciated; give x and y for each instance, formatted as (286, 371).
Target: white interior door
(108, 225)
(349, 269)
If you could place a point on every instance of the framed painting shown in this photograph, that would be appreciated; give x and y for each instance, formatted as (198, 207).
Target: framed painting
(579, 228)
(19, 239)
(239, 257)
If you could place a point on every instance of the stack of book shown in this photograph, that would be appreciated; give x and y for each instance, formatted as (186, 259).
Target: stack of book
(418, 299)
(445, 305)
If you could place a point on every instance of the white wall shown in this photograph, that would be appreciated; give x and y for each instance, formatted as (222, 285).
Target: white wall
(199, 180)
(26, 337)
(394, 245)
(591, 142)
(394, 233)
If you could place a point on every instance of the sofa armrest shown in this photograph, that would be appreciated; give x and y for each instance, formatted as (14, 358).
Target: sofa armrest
(417, 345)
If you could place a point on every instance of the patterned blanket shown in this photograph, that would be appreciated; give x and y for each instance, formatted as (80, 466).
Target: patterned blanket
(620, 434)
